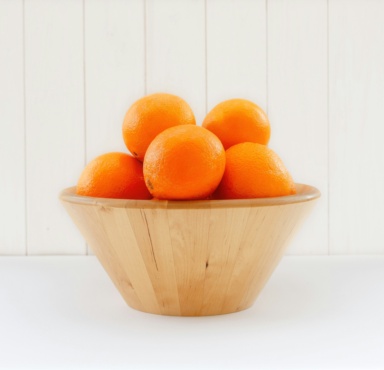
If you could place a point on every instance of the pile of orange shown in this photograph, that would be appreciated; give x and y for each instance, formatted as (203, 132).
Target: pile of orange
(172, 158)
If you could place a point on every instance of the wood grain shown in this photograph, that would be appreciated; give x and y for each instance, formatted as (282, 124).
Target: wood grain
(356, 96)
(297, 104)
(176, 258)
(12, 149)
(54, 89)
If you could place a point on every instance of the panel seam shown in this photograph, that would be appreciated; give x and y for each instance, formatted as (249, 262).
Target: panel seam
(145, 47)
(206, 56)
(85, 104)
(25, 134)
(328, 138)
(266, 58)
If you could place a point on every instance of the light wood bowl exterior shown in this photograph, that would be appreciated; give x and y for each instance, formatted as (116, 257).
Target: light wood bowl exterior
(189, 258)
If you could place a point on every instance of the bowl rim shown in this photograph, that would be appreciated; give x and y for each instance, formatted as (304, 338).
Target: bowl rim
(304, 193)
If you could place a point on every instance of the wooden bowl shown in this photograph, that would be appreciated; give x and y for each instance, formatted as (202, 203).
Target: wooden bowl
(189, 258)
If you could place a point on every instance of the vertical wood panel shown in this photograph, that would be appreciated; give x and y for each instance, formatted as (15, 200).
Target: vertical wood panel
(175, 35)
(12, 165)
(236, 51)
(114, 70)
(356, 67)
(54, 121)
(297, 105)
(180, 57)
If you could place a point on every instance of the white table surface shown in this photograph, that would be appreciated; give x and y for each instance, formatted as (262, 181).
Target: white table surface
(314, 313)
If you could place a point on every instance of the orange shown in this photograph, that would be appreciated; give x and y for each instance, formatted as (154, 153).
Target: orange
(113, 175)
(254, 171)
(237, 121)
(149, 116)
(184, 162)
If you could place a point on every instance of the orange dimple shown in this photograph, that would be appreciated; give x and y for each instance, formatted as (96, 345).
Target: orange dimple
(184, 162)
(254, 171)
(113, 175)
(149, 116)
(237, 121)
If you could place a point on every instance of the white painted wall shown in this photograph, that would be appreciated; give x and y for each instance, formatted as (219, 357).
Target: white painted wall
(69, 69)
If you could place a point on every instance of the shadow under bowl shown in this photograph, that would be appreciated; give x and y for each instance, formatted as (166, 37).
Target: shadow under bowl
(189, 258)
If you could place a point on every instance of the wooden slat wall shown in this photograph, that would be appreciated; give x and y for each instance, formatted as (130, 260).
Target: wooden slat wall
(236, 51)
(69, 70)
(356, 113)
(12, 137)
(55, 143)
(175, 57)
(297, 105)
